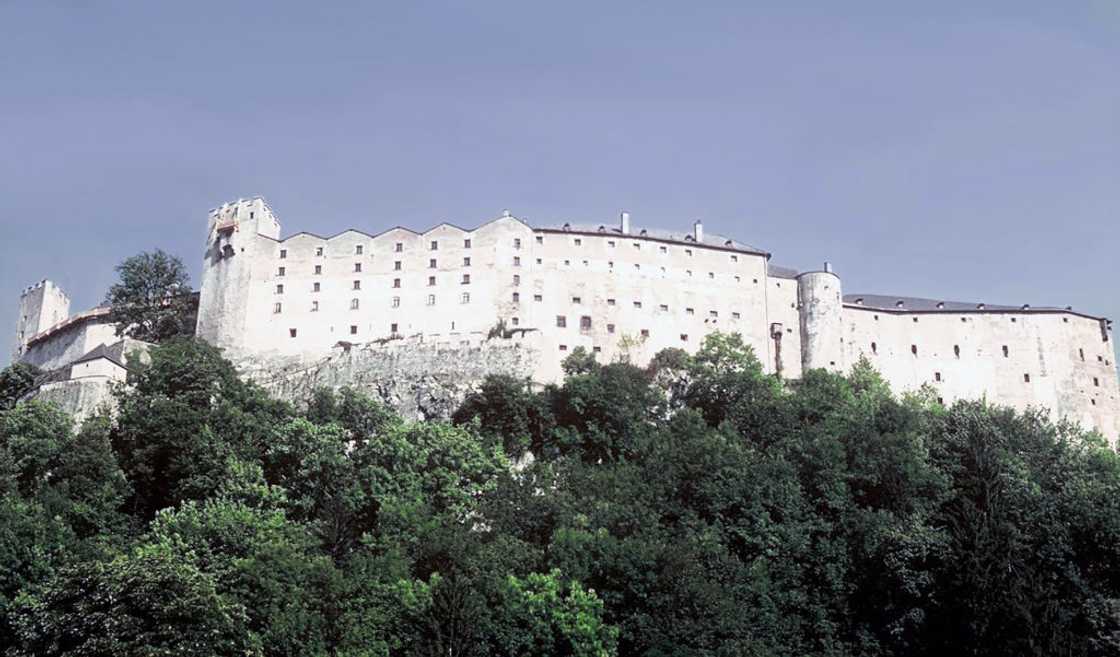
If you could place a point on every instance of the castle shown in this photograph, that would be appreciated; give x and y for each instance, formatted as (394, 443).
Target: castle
(457, 302)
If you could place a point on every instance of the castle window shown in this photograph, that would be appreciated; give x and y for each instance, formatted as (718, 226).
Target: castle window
(1081, 352)
(398, 247)
(1014, 319)
(937, 376)
(517, 297)
(393, 328)
(353, 328)
(279, 289)
(684, 337)
(466, 243)
(515, 320)
(283, 253)
(734, 258)
(357, 267)
(314, 306)
(578, 242)
(291, 333)
(1100, 359)
(914, 349)
(663, 308)
(610, 302)
(540, 239)
(396, 302)
(319, 251)
(1026, 378)
(713, 313)
(316, 287)
(688, 272)
(576, 300)
(637, 266)
(432, 263)
(638, 246)
(517, 261)
(690, 311)
(277, 308)
(711, 275)
(434, 246)
(586, 263)
(637, 304)
(396, 265)
(645, 333)
(915, 320)
(688, 252)
(358, 249)
(610, 244)
(610, 328)
(538, 261)
(466, 279)
(663, 249)
(466, 262)
(318, 269)
(561, 321)
(465, 297)
(281, 271)
(567, 263)
(431, 281)
(964, 319)
(735, 315)
(396, 282)
(357, 285)
(585, 323)
(610, 264)
(517, 242)
(563, 347)
(1096, 382)
(431, 299)
(874, 348)
(738, 279)
(517, 279)
(1005, 352)
(354, 304)
(538, 297)
(596, 349)
(957, 350)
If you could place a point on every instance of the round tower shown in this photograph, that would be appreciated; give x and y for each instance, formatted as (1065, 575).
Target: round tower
(820, 306)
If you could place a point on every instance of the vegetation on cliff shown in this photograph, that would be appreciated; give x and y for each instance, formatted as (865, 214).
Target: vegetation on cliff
(695, 507)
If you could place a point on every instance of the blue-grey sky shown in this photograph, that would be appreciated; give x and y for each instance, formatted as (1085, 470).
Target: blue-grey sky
(939, 149)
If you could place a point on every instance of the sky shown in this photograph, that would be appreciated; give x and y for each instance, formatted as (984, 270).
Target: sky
(938, 149)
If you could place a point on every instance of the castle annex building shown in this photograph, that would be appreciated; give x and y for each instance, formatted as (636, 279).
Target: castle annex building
(354, 307)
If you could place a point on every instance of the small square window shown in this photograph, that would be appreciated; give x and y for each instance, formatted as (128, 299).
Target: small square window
(684, 337)
(281, 271)
(396, 282)
(576, 300)
(561, 321)
(354, 304)
(319, 251)
(610, 302)
(578, 242)
(663, 249)
(1026, 378)
(353, 328)
(637, 246)
(466, 243)
(434, 246)
(563, 347)
(396, 265)
(432, 263)
(517, 297)
(664, 308)
(397, 248)
(318, 269)
(431, 299)
(610, 244)
(283, 253)
(396, 302)
(690, 311)
(357, 285)
(357, 267)
(713, 313)
(734, 258)
(466, 262)
(585, 323)
(292, 333)
(637, 304)
(537, 297)
(610, 328)
(515, 321)
(596, 349)
(711, 275)
(358, 251)
(392, 328)
(736, 315)
(540, 239)
(465, 297)
(688, 252)
(316, 287)
(466, 279)
(645, 333)
(431, 281)
(279, 289)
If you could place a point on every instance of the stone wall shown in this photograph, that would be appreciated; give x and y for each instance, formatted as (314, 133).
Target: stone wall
(421, 378)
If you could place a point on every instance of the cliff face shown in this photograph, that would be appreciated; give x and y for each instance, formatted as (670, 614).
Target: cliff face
(420, 378)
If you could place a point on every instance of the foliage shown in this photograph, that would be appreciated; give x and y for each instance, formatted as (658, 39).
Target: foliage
(152, 299)
(697, 506)
(16, 380)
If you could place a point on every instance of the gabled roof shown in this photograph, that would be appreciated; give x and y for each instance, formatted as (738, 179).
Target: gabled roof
(113, 354)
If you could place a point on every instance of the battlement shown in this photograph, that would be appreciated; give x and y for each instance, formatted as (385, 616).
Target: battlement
(43, 285)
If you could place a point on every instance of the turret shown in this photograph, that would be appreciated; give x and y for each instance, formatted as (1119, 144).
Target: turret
(41, 306)
(233, 233)
(820, 303)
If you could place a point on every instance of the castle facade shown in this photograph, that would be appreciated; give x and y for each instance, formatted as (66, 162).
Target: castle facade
(280, 304)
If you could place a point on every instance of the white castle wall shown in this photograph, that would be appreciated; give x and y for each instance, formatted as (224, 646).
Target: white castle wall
(40, 306)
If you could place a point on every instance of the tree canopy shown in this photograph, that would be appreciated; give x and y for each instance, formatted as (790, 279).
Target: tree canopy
(694, 507)
(152, 299)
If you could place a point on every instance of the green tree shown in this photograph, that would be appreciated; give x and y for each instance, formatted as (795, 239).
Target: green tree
(16, 380)
(152, 300)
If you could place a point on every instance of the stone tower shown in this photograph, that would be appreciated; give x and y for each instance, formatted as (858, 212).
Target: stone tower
(232, 246)
(41, 306)
(822, 340)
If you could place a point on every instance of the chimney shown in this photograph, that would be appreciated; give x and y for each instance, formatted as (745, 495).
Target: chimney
(624, 223)
(827, 267)
(698, 231)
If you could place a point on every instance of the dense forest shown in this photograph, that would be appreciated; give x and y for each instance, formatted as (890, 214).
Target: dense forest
(693, 507)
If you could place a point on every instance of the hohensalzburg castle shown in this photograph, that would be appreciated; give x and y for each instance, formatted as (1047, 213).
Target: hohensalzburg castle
(457, 303)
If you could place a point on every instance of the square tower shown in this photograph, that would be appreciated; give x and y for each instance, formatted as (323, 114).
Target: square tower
(41, 306)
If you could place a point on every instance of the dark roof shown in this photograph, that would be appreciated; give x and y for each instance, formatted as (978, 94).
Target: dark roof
(710, 239)
(113, 353)
(890, 303)
(774, 271)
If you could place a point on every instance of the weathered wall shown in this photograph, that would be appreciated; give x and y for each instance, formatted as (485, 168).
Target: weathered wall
(821, 331)
(421, 378)
(41, 306)
(69, 344)
(1054, 359)
(79, 398)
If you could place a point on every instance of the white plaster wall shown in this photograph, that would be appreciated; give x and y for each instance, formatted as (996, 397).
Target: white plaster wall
(40, 307)
(1047, 346)
(822, 337)
(70, 344)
